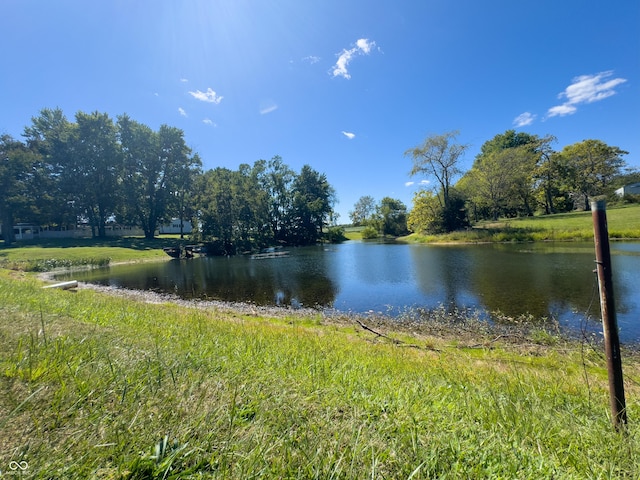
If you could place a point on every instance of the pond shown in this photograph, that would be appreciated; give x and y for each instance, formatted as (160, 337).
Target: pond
(554, 280)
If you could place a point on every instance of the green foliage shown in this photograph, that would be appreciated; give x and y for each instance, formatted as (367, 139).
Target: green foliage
(369, 233)
(590, 167)
(429, 215)
(94, 170)
(438, 157)
(363, 210)
(517, 174)
(158, 172)
(393, 217)
(335, 235)
(267, 204)
(312, 204)
(18, 168)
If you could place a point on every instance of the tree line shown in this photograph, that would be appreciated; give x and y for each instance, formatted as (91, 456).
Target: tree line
(95, 170)
(514, 174)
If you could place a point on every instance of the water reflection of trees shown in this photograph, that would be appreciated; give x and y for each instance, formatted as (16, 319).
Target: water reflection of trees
(280, 281)
(508, 280)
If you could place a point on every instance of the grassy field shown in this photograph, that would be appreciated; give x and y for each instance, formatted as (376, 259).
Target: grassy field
(44, 255)
(103, 386)
(623, 223)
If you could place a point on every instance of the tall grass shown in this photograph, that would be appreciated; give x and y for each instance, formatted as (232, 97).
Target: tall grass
(96, 386)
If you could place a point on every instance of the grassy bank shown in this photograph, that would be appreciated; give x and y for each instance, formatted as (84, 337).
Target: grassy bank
(93, 384)
(623, 223)
(45, 255)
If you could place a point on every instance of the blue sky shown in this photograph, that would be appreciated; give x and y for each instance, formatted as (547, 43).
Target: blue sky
(344, 86)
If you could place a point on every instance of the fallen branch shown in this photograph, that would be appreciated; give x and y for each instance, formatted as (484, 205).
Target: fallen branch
(399, 343)
(486, 344)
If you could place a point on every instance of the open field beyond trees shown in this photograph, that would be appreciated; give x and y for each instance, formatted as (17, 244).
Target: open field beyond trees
(623, 223)
(96, 385)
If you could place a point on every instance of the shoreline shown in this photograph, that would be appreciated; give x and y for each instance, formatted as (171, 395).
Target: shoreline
(441, 322)
(466, 328)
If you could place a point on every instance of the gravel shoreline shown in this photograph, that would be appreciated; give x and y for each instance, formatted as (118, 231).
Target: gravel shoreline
(467, 326)
(459, 326)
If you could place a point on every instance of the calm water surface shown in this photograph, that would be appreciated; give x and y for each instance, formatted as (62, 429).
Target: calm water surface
(545, 280)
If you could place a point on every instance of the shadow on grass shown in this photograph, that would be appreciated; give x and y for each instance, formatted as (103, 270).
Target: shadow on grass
(135, 243)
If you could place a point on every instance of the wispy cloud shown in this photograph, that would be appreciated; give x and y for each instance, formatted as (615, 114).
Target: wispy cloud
(421, 182)
(184, 80)
(182, 112)
(209, 122)
(524, 119)
(363, 47)
(586, 89)
(311, 59)
(349, 135)
(268, 107)
(209, 96)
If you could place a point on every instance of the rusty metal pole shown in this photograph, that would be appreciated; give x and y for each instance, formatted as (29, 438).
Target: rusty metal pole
(608, 310)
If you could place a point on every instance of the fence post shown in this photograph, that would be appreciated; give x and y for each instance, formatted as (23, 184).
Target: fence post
(608, 310)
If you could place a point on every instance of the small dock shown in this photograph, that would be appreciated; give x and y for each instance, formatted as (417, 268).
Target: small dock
(274, 254)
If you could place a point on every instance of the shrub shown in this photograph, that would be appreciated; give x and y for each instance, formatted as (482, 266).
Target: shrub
(335, 235)
(369, 233)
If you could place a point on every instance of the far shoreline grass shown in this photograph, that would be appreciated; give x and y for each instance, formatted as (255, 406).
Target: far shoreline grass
(623, 224)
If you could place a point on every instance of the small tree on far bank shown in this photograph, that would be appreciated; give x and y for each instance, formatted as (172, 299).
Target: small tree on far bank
(363, 211)
(393, 217)
(439, 157)
(428, 215)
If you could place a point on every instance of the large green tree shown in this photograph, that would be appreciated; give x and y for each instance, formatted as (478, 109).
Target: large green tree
(217, 215)
(262, 205)
(589, 168)
(490, 185)
(17, 164)
(507, 175)
(158, 170)
(277, 179)
(312, 204)
(49, 136)
(393, 217)
(438, 157)
(92, 169)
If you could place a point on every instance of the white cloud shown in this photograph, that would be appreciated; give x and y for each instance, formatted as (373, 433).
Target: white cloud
(363, 47)
(561, 110)
(182, 112)
(184, 80)
(209, 96)
(421, 182)
(311, 59)
(586, 89)
(210, 122)
(349, 135)
(268, 108)
(524, 119)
